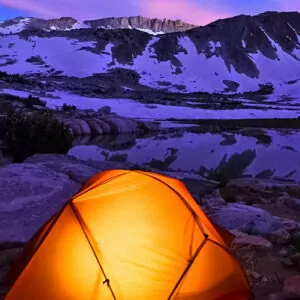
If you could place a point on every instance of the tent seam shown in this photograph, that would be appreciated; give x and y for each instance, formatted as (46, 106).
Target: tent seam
(97, 185)
(81, 223)
(234, 258)
(189, 265)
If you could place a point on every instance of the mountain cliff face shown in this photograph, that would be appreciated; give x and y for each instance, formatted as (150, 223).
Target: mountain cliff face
(236, 54)
(66, 23)
(153, 25)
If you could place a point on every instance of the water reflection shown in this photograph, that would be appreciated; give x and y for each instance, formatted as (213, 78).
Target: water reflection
(108, 142)
(270, 154)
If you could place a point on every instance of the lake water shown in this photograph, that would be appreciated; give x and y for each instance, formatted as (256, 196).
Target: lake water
(189, 152)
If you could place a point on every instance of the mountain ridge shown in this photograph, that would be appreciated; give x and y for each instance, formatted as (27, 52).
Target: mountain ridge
(238, 53)
(152, 25)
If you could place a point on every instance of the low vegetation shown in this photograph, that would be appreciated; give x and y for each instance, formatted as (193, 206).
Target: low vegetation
(67, 108)
(13, 78)
(24, 135)
(29, 102)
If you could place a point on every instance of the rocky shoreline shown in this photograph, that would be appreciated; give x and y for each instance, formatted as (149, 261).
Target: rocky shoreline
(80, 122)
(264, 215)
(90, 122)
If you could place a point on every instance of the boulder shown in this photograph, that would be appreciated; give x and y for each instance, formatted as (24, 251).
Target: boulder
(29, 195)
(7, 256)
(247, 219)
(211, 203)
(121, 125)
(85, 128)
(289, 225)
(95, 127)
(262, 184)
(279, 236)
(296, 259)
(276, 296)
(250, 241)
(293, 203)
(291, 288)
(75, 169)
(104, 126)
(74, 126)
(199, 187)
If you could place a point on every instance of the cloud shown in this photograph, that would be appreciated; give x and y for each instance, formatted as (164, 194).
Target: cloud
(199, 12)
(87, 9)
(188, 11)
(30, 6)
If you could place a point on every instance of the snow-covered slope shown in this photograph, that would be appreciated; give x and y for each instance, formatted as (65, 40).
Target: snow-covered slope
(236, 54)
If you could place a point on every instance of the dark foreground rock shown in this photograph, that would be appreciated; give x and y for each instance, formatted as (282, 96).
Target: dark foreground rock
(9, 252)
(31, 192)
(256, 211)
(29, 195)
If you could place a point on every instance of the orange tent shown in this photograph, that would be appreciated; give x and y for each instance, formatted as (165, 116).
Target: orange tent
(130, 235)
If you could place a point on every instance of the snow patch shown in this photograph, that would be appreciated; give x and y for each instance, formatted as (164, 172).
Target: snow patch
(132, 109)
(213, 45)
(15, 28)
(79, 25)
(150, 31)
(59, 53)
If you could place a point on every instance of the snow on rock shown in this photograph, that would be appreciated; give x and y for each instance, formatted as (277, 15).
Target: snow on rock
(150, 31)
(132, 109)
(279, 70)
(287, 91)
(183, 68)
(58, 53)
(80, 24)
(244, 218)
(198, 72)
(14, 28)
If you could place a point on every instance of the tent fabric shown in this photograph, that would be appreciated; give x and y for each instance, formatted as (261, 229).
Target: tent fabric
(130, 235)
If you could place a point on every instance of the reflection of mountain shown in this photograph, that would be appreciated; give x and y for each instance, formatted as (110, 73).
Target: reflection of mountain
(109, 142)
(233, 168)
(196, 150)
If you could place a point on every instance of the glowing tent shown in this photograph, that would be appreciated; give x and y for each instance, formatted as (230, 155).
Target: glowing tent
(130, 235)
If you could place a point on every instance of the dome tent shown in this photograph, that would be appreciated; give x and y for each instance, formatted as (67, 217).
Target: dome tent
(130, 235)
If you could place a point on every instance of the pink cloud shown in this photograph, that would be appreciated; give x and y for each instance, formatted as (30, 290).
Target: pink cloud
(30, 6)
(82, 10)
(186, 10)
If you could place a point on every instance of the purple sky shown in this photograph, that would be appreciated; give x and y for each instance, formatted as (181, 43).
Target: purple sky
(199, 12)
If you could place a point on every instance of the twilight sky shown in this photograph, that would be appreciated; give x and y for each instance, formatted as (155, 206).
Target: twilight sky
(198, 12)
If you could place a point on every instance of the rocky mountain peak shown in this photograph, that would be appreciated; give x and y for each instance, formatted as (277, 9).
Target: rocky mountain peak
(139, 22)
(152, 26)
(241, 52)
(62, 23)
